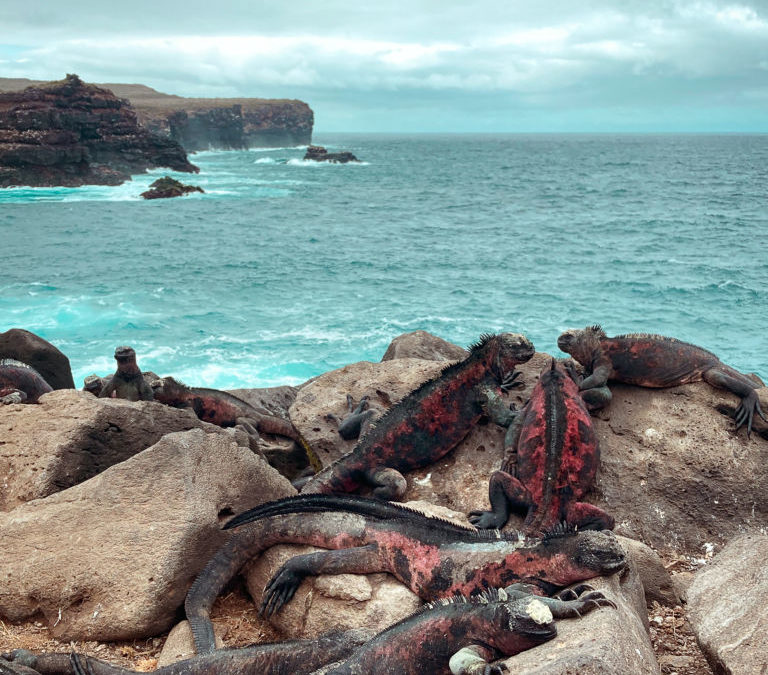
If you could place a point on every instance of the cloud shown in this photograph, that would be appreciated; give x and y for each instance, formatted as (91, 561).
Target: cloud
(551, 55)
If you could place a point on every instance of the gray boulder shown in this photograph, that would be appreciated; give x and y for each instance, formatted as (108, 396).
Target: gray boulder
(71, 436)
(46, 359)
(422, 345)
(728, 607)
(113, 557)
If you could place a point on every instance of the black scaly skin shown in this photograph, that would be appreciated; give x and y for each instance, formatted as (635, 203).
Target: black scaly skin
(22, 380)
(461, 635)
(293, 657)
(128, 381)
(433, 557)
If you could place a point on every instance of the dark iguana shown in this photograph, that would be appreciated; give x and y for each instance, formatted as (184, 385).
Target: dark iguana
(128, 381)
(226, 410)
(435, 558)
(461, 635)
(653, 361)
(293, 657)
(358, 421)
(551, 456)
(429, 422)
(20, 383)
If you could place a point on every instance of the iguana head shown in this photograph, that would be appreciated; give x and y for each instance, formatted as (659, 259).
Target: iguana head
(125, 354)
(577, 556)
(93, 384)
(167, 389)
(581, 344)
(502, 352)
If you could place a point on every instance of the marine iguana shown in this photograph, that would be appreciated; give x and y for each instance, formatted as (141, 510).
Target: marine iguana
(461, 635)
(20, 383)
(653, 361)
(292, 657)
(128, 381)
(433, 557)
(551, 456)
(429, 422)
(226, 410)
(358, 421)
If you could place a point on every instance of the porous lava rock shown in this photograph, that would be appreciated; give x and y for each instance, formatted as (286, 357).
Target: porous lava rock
(167, 187)
(420, 344)
(728, 607)
(71, 436)
(113, 557)
(49, 361)
(317, 153)
(69, 133)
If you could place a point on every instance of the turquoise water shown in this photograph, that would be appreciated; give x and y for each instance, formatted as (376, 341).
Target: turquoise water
(285, 269)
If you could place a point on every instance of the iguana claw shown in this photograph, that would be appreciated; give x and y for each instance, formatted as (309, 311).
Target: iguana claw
(510, 381)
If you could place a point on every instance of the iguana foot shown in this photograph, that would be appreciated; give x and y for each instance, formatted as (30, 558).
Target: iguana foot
(510, 381)
(580, 600)
(486, 520)
(280, 589)
(749, 405)
(596, 398)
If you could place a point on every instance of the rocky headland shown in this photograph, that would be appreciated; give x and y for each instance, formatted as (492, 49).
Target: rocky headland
(111, 508)
(69, 133)
(205, 123)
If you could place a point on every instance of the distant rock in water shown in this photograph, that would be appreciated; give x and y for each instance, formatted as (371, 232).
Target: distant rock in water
(69, 133)
(166, 187)
(317, 153)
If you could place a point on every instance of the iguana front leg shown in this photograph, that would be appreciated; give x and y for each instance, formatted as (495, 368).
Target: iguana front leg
(732, 380)
(475, 660)
(568, 603)
(285, 582)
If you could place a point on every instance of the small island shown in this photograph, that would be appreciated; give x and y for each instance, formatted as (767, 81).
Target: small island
(317, 153)
(167, 187)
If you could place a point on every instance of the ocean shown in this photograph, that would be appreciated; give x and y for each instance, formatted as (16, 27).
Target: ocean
(285, 269)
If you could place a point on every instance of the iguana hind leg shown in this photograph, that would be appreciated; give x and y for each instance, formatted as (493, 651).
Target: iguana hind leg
(286, 581)
(505, 493)
(732, 380)
(588, 517)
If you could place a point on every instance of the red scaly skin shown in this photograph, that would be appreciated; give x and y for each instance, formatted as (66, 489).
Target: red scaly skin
(653, 361)
(432, 557)
(428, 423)
(425, 642)
(16, 376)
(551, 457)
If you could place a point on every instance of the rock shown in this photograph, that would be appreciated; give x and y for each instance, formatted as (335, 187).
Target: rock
(273, 400)
(167, 187)
(604, 642)
(385, 383)
(422, 345)
(31, 349)
(317, 153)
(728, 607)
(180, 645)
(657, 581)
(113, 557)
(674, 473)
(70, 133)
(71, 436)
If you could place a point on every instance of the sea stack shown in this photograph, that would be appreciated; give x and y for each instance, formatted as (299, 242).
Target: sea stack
(69, 133)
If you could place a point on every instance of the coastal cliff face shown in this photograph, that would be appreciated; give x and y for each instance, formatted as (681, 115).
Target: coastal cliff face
(69, 133)
(205, 123)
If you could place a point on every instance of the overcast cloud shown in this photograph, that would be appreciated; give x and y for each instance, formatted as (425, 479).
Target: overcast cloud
(422, 65)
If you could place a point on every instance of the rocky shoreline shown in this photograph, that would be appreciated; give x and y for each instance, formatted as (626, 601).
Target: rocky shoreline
(111, 508)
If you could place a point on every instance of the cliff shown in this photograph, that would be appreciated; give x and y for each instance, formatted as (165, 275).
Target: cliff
(69, 133)
(203, 123)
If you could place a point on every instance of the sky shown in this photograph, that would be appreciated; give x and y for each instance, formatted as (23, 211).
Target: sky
(422, 65)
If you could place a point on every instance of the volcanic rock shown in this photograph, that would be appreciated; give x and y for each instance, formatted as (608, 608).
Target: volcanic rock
(40, 354)
(167, 187)
(113, 557)
(728, 607)
(69, 133)
(71, 436)
(423, 345)
(317, 153)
